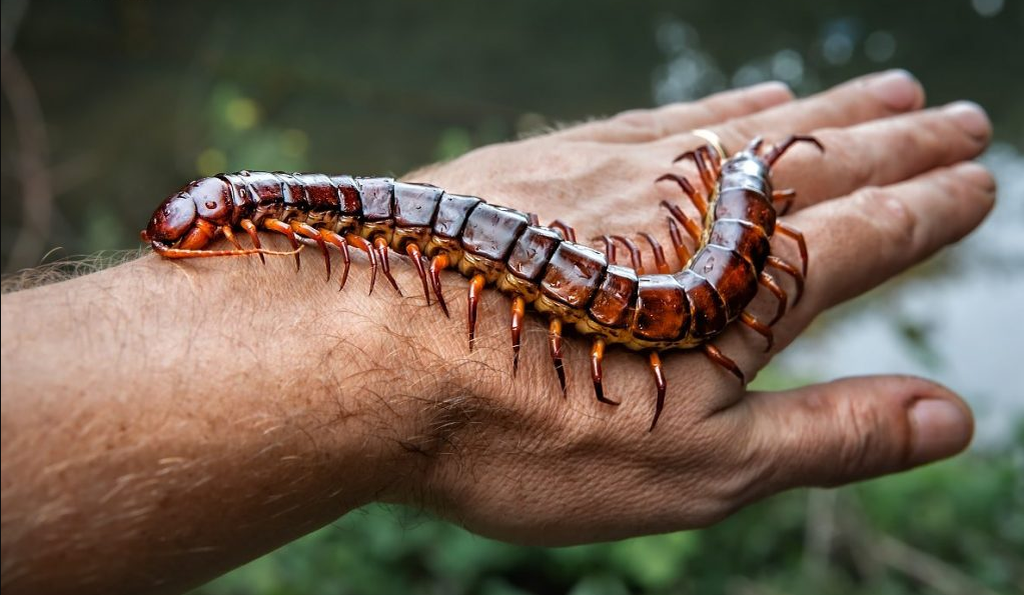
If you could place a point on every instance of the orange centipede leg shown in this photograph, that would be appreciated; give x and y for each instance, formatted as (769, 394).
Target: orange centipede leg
(361, 243)
(286, 230)
(758, 327)
(716, 356)
(476, 287)
(339, 242)
(381, 246)
(688, 224)
(706, 176)
(308, 231)
(792, 271)
(568, 232)
(659, 254)
(659, 381)
(682, 252)
(596, 372)
(230, 235)
(609, 248)
(437, 264)
(518, 313)
(801, 243)
(769, 282)
(787, 197)
(696, 198)
(555, 347)
(635, 257)
(413, 251)
(250, 228)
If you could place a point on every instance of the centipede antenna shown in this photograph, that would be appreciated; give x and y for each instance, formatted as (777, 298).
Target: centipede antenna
(476, 287)
(437, 264)
(168, 252)
(596, 372)
(250, 228)
(659, 253)
(555, 348)
(381, 246)
(716, 356)
(635, 257)
(286, 230)
(769, 282)
(798, 237)
(518, 313)
(772, 156)
(361, 243)
(414, 254)
(659, 382)
(339, 242)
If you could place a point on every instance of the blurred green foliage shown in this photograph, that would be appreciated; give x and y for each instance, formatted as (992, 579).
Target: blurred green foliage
(965, 516)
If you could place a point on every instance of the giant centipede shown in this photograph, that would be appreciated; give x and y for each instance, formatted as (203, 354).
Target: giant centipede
(542, 266)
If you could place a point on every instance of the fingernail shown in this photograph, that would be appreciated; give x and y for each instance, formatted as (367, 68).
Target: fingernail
(940, 429)
(971, 117)
(898, 89)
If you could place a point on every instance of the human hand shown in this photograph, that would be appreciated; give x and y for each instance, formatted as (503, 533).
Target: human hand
(511, 458)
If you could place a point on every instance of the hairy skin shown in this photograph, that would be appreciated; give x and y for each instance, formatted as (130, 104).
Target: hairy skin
(164, 421)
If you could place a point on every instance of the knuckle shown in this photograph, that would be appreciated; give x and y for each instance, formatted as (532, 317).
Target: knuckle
(890, 216)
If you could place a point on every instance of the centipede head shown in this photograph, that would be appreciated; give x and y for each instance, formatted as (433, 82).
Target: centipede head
(188, 219)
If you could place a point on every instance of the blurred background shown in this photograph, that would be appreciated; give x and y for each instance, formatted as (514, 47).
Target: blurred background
(108, 106)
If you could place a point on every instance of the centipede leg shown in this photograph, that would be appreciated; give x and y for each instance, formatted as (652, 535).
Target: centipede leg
(230, 235)
(437, 264)
(339, 242)
(659, 381)
(414, 254)
(758, 327)
(716, 356)
(381, 246)
(682, 252)
(250, 228)
(568, 232)
(476, 287)
(688, 224)
(787, 197)
(635, 257)
(518, 313)
(596, 372)
(769, 282)
(283, 228)
(659, 254)
(706, 177)
(361, 243)
(555, 347)
(772, 156)
(792, 271)
(696, 198)
(801, 243)
(609, 249)
(308, 231)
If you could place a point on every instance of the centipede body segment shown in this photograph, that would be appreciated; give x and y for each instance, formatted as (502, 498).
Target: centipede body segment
(543, 267)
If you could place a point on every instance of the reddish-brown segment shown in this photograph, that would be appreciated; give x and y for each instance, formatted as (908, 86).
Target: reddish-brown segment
(476, 288)
(659, 383)
(283, 228)
(596, 371)
(544, 266)
(555, 347)
(437, 264)
(414, 254)
(518, 313)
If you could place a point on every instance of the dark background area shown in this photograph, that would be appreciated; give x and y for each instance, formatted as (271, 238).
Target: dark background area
(110, 106)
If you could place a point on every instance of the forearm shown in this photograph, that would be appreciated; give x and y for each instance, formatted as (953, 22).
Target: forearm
(165, 422)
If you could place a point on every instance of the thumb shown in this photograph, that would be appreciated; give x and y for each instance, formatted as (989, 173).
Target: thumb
(854, 428)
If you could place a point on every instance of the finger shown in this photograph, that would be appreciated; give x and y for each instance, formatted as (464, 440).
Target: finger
(860, 100)
(850, 429)
(884, 152)
(644, 125)
(860, 241)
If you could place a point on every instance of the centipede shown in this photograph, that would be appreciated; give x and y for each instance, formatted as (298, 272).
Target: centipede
(542, 268)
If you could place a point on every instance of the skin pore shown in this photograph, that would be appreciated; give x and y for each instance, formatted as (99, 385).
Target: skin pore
(165, 421)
